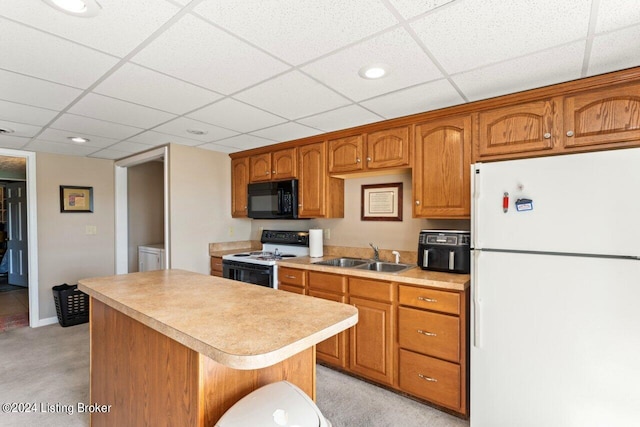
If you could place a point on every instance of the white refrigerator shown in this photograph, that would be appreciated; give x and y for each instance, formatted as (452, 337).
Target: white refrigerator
(555, 313)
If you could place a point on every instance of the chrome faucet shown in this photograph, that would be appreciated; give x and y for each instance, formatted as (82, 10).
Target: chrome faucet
(376, 252)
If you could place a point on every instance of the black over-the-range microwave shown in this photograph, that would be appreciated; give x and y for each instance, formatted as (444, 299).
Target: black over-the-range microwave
(273, 200)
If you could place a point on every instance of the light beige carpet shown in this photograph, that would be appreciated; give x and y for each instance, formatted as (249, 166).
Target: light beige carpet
(50, 366)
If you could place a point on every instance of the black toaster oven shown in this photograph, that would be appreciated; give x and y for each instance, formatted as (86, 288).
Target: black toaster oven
(445, 250)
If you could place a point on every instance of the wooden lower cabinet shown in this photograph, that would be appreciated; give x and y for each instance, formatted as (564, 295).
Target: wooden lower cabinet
(216, 266)
(430, 378)
(430, 333)
(292, 280)
(332, 350)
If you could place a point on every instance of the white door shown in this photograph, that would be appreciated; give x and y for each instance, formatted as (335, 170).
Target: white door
(17, 234)
(555, 341)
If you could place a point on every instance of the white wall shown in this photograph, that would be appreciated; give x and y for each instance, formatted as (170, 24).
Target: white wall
(200, 206)
(65, 252)
(351, 231)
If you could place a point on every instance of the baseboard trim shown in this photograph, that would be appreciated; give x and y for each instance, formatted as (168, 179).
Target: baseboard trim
(45, 322)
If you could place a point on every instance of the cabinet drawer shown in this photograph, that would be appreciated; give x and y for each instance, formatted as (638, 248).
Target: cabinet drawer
(429, 333)
(430, 379)
(372, 289)
(327, 282)
(291, 276)
(431, 299)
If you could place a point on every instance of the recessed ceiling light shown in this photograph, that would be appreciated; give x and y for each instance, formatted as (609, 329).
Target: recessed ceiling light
(78, 139)
(6, 130)
(81, 8)
(374, 71)
(197, 131)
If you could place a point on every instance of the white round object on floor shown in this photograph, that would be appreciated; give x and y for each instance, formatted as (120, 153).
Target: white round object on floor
(280, 404)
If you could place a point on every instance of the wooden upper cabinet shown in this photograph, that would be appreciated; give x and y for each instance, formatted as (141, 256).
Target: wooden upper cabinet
(239, 182)
(522, 128)
(388, 148)
(278, 165)
(441, 175)
(346, 154)
(608, 116)
(319, 196)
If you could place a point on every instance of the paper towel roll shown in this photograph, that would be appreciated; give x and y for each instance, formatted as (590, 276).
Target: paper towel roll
(315, 242)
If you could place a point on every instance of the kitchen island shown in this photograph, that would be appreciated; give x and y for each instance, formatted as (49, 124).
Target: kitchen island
(172, 347)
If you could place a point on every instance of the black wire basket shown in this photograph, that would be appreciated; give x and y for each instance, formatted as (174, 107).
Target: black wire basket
(72, 305)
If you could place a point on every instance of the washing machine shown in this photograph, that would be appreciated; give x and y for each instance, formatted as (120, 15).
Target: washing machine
(279, 404)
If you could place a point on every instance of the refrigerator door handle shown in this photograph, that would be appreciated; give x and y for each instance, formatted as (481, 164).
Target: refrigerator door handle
(475, 291)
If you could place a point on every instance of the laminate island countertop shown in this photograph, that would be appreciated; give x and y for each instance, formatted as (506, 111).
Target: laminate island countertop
(238, 325)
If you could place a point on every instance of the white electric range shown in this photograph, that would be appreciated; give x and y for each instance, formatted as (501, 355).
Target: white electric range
(259, 267)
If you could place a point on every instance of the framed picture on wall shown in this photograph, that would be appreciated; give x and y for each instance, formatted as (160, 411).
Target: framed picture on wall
(381, 202)
(76, 199)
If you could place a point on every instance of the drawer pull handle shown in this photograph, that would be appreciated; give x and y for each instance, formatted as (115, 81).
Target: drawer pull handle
(425, 299)
(426, 378)
(429, 334)
(288, 276)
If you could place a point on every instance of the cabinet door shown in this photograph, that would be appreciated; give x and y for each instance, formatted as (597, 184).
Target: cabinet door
(312, 180)
(216, 266)
(517, 129)
(239, 182)
(260, 168)
(371, 340)
(345, 154)
(610, 116)
(388, 148)
(149, 260)
(284, 164)
(441, 180)
(332, 350)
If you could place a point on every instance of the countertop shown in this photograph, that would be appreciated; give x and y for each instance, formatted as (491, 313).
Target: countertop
(414, 276)
(236, 324)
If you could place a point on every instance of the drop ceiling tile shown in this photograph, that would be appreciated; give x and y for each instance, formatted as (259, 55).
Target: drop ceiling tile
(416, 99)
(200, 53)
(129, 147)
(140, 85)
(49, 57)
(299, 31)
(614, 14)
(62, 137)
(292, 95)
(59, 148)
(236, 115)
(180, 125)
(495, 30)
(125, 30)
(158, 138)
(411, 8)
(25, 113)
(13, 142)
(523, 73)
(28, 90)
(220, 148)
(342, 118)
(20, 129)
(408, 65)
(242, 142)
(114, 110)
(286, 132)
(610, 51)
(89, 126)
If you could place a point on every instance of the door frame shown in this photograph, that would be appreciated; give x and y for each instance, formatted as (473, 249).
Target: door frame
(32, 231)
(122, 206)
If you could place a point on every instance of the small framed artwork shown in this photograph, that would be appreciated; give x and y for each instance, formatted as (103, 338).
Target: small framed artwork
(382, 202)
(76, 199)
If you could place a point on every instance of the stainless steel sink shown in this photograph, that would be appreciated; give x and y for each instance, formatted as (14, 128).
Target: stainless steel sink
(385, 267)
(344, 262)
(366, 264)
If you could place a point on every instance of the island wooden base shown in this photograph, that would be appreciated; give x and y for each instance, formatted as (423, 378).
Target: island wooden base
(151, 380)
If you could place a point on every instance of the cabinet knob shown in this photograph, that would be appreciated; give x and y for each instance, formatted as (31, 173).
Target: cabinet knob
(273, 172)
(266, 173)
(570, 133)
(368, 159)
(357, 159)
(417, 202)
(299, 205)
(547, 135)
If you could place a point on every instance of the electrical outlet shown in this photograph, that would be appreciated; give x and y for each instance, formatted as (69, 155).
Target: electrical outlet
(231, 231)
(327, 233)
(90, 230)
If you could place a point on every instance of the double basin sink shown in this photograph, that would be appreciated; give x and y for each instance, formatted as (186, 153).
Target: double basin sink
(366, 264)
